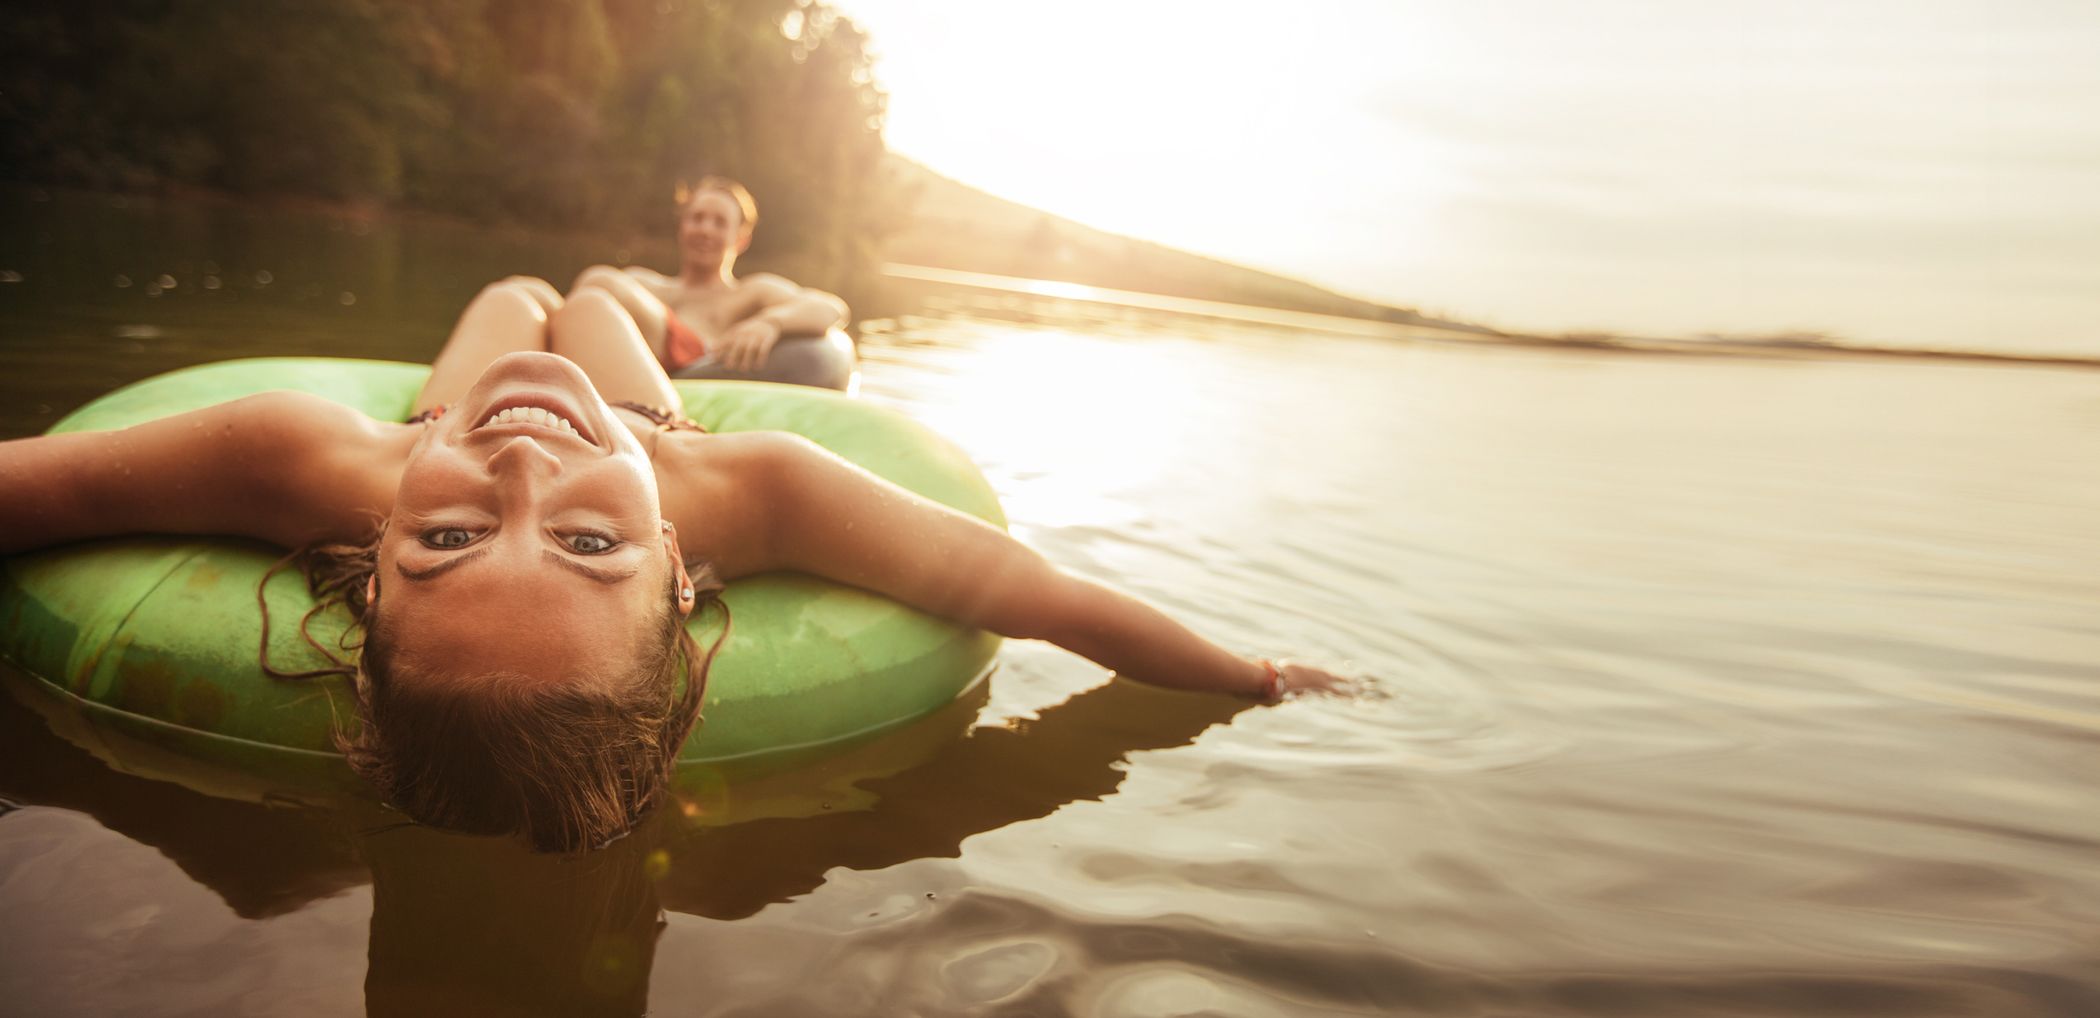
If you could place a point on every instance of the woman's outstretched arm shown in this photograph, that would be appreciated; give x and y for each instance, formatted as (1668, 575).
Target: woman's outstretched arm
(828, 517)
(280, 466)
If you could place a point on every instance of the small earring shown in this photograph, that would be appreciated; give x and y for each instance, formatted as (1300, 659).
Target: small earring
(667, 526)
(685, 594)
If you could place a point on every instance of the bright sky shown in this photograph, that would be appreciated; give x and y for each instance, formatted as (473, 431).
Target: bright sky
(1896, 171)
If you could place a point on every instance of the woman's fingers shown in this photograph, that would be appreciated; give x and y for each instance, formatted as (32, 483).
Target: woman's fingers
(1303, 678)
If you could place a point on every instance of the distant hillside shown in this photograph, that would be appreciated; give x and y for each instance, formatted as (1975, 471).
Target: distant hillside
(955, 226)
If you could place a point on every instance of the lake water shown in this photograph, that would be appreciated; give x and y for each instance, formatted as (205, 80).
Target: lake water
(1706, 686)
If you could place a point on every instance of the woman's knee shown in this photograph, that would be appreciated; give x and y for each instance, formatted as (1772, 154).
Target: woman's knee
(519, 292)
(591, 303)
(508, 297)
(530, 288)
(599, 277)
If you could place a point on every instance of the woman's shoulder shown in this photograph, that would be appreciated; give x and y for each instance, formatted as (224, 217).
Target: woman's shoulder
(291, 410)
(309, 426)
(735, 456)
(719, 490)
(337, 465)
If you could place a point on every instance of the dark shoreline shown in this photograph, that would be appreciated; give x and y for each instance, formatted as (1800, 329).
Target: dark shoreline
(1784, 349)
(631, 247)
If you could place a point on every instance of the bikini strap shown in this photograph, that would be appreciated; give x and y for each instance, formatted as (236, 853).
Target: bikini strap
(661, 417)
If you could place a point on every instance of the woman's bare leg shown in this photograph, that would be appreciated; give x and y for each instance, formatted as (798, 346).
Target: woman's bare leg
(649, 313)
(538, 289)
(507, 316)
(594, 330)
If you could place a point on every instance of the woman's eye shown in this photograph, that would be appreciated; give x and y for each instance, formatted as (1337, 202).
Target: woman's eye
(447, 537)
(592, 544)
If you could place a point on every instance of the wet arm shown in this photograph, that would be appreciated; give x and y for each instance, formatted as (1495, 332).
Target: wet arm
(247, 468)
(835, 520)
(795, 310)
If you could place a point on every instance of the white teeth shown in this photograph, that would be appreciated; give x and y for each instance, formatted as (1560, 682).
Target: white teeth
(532, 415)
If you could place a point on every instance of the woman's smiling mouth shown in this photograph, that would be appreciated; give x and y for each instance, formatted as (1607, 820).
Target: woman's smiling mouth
(527, 416)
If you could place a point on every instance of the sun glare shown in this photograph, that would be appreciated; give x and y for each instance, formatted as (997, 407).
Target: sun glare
(1887, 171)
(1152, 119)
(1053, 463)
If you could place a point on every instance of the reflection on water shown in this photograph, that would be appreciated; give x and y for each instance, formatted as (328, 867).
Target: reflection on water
(1709, 686)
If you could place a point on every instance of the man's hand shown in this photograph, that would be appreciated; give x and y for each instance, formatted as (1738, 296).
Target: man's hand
(746, 344)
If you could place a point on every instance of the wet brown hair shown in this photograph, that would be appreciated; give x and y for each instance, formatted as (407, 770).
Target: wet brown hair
(563, 766)
(745, 204)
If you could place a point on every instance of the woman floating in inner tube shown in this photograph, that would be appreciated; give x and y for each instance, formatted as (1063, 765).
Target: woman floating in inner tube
(708, 323)
(523, 556)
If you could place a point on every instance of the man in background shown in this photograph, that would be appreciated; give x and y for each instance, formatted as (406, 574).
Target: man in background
(707, 322)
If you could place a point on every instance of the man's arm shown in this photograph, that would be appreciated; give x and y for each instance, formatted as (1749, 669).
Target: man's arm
(269, 466)
(797, 310)
(832, 519)
(777, 308)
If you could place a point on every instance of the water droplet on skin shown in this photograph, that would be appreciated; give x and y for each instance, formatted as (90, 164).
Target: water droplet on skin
(123, 282)
(347, 298)
(211, 282)
(165, 282)
(152, 289)
(263, 278)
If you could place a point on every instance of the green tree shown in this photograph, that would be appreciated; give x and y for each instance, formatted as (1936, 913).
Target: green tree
(554, 113)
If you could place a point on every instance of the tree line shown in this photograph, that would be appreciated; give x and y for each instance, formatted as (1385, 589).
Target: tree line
(565, 114)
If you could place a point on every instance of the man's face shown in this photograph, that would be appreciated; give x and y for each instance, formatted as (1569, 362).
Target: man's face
(711, 229)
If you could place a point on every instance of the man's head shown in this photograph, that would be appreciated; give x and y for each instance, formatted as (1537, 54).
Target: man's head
(715, 219)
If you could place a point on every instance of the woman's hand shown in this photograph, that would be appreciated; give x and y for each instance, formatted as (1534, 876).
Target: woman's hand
(829, 518)
(1295, 678)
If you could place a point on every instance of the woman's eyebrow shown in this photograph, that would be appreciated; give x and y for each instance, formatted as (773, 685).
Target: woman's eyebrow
(594, 572)
(607, 576)
(443, 567)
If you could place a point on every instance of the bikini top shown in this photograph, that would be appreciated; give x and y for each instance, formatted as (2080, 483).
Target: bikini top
(662, 417)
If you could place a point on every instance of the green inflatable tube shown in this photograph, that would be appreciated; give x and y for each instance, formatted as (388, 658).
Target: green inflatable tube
(143, 649)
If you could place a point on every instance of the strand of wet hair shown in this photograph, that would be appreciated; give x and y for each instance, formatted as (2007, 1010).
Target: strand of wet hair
(330, 591)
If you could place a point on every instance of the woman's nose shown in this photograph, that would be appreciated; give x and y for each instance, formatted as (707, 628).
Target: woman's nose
(522, 455)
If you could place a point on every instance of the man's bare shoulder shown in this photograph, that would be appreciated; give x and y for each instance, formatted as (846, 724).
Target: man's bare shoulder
(768, 284)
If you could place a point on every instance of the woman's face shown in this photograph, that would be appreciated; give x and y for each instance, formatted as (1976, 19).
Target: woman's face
(525, 538)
